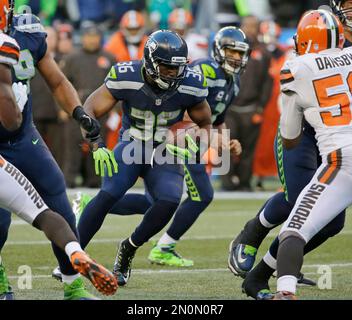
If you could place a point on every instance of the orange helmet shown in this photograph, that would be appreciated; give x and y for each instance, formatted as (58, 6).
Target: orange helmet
(132, 26)
(6, 13)
(180, 19)
(318, 30)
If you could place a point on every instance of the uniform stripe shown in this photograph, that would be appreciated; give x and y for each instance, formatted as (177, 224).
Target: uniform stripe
(330, 171)
(332, 35)
(284, 81)
(8, 50)
(336, 26)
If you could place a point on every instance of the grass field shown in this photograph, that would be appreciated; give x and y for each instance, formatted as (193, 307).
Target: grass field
(206, 243)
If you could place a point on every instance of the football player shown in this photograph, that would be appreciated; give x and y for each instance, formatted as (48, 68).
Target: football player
(296, 168)
(155, 93)
(26, 150)
(318, 88)
(19, 196)
(230, 56)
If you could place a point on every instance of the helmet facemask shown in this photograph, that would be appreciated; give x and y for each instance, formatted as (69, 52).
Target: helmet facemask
(166, 82)
(345, 15)
(233, 66)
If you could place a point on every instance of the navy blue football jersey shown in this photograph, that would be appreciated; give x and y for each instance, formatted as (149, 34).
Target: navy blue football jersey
(222, 88)
(31, 37)
(147, 111)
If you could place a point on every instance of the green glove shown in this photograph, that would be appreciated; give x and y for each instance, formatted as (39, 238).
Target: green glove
(184, 153)
(103, 156)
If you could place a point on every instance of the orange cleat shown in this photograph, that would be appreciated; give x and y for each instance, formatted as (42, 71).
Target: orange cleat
(101, 278)
(284, 295)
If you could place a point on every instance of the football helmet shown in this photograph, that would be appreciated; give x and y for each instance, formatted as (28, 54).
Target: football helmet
(132, 26)
(180, 19)
(165, 47)
(344, 14)
(6, 14)
(318, 30)
(235, 39)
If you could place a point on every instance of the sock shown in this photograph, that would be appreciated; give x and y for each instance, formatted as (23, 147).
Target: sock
(262, 271)
(154, 220)
(287, 283)
(270, 260)
(72, 247)
(166, 240)
(290, 256)
(130, 244)
(5, 221)
(254, 233)
(69, 279)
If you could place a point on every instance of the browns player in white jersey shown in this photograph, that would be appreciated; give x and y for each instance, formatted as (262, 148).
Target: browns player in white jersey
(18, 195)
(317, 87)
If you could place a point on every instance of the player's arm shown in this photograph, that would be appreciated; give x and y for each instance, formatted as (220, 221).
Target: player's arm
(100, 102)
(200, 114)
(290, 120)
(234, 145)
(67, 96)
(10, 114)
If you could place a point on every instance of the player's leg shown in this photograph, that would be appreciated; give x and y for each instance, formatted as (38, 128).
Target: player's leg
(113, 188)
(42, 170)
(5, 288)
(165, 184)
(315, 208)
(200, 195)
(21, 197)
(296, 168)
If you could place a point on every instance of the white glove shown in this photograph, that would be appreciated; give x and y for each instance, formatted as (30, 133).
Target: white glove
(20, 91)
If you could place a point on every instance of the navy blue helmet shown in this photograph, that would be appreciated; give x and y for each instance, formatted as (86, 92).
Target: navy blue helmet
(165, 47)
(235, 39)
(345, 15)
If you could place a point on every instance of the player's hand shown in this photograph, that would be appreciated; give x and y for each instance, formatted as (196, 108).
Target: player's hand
(184, 153)
(104, 157)
(20, 91)
(90, 125)
(235, 147)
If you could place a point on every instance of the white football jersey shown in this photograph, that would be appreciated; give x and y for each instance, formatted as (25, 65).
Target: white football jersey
(319, 87)
(9, 50)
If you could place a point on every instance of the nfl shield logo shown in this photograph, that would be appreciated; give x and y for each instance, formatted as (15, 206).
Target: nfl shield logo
(158, 102)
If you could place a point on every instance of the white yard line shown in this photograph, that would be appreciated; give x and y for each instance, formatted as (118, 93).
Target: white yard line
(115, 240)
(177, 271)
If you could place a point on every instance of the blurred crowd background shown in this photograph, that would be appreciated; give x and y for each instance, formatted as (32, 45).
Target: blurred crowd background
(86, 37)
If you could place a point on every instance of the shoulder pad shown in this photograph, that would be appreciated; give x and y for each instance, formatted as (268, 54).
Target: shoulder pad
(9, 50)
(28, 22)
(125, 75)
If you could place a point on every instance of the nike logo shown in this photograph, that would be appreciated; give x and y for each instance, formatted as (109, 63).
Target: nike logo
(35, 141)
(239, 255)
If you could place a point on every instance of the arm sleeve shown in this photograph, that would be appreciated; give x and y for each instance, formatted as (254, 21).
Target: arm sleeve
(291, 116)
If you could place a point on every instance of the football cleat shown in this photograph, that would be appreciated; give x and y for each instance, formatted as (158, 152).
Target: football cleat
(256, 287)
(79, 203)
(5, 288)
(241, 258)
(305, 281)
(101, 278)
(77, 291)
(56, 274)
(166, 255)
(123, 262)
(284, 295)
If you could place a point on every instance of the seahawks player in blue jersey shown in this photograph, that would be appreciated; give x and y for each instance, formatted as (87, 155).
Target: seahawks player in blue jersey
(26, 149)
(296, 168)
(155, 93)
(230, 55)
